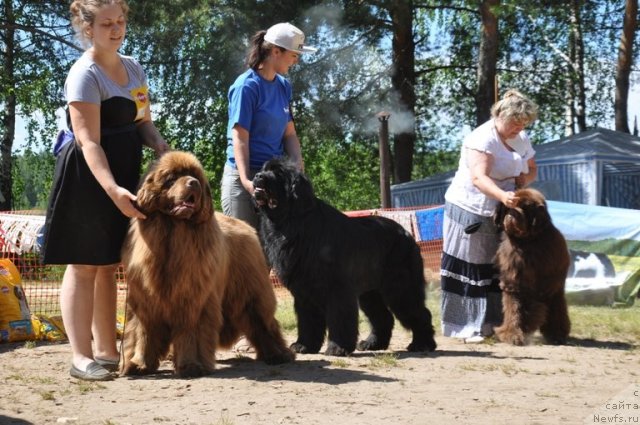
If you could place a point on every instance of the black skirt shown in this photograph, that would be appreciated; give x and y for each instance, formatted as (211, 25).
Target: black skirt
(83, 225)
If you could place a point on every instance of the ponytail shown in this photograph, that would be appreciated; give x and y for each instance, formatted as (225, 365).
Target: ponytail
(258, 50)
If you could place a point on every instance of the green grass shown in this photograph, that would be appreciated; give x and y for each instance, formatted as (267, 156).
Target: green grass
(84, 387)
(508, 369)
(606, 323)
(383, 361)
(224, 420)
(287, 317)
(47, 395)
(587, 322)
(339, 362)
(20, 376)
(285, 313)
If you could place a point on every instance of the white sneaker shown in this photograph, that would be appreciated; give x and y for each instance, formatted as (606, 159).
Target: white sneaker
(476, 339)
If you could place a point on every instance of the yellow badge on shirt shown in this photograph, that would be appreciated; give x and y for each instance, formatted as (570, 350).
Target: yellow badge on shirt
(141, 97)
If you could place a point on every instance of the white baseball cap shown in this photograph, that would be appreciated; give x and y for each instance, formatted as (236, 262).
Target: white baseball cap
(288, 37)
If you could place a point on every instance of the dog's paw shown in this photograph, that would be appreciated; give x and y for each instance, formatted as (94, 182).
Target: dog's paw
(192, 370)
(555, 340)
(334, 349)
(298, 347)
(284, 356)
(513, 340)
(133, 369)
(511, 337)
(422, 346)
(372, 343)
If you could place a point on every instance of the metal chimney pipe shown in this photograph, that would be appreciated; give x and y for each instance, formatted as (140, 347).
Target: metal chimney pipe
(383, 142)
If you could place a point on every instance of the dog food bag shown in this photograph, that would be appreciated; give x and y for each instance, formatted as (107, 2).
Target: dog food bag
(15, 316)
(120, 325)
(46, 328)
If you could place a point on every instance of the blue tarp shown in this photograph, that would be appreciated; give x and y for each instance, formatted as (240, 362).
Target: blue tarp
(594, 223)
(430, 223)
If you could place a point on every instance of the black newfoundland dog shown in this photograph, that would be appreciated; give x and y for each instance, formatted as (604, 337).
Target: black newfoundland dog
(332, 264)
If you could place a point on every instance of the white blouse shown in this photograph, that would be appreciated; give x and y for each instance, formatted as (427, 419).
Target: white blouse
(507, 165)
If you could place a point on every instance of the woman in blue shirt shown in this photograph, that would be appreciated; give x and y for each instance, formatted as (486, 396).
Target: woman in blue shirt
(261, 123)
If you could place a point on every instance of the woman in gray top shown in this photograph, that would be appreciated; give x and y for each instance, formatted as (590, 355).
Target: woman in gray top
(96, 175)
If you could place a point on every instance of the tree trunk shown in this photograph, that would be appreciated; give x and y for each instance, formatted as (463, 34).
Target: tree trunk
(487, 60)
(9, 116)
(403, 82)
(625, 60)
(570, 94)
(578, 66)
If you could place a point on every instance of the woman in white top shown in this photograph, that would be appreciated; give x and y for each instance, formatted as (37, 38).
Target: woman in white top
(496, 158)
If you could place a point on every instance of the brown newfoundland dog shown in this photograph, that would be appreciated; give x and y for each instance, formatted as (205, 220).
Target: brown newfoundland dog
(533, 260)
(197, 280)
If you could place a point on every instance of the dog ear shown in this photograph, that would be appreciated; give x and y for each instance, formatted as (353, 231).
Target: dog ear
(498, 215)
(540, 217)
(146, 199)
(206, 209)
(302, 189)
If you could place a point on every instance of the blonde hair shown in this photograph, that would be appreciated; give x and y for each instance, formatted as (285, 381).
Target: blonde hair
(83, 15)
(514, 106)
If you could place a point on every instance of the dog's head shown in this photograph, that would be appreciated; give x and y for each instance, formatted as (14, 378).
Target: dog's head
(176, 186)
(280, 189)
(528, 219)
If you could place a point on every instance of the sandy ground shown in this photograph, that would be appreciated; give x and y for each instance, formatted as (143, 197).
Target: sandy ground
(492, 383)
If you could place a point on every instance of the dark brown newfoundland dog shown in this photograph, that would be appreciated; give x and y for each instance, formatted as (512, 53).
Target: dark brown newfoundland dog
(197, 280)
(333, 264)
(533, 260)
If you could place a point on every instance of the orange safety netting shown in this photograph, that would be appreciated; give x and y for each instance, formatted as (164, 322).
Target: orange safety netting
(21, 238)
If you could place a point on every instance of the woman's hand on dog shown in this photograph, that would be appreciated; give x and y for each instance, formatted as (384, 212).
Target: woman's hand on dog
(510, 200)
(124, 200)
(248, 185)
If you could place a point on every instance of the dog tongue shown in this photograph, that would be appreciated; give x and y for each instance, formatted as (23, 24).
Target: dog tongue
(182, 207)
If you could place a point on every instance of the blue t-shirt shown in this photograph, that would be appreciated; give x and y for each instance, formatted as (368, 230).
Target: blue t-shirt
(262, 108)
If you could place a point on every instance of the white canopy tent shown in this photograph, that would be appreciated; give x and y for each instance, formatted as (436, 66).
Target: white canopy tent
(595, 167)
